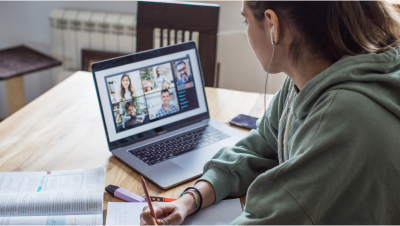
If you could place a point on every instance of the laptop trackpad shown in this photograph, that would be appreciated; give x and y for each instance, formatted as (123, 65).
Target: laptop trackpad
(194, 161)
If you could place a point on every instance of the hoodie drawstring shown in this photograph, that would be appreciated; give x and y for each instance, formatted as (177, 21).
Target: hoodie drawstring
(285, 151)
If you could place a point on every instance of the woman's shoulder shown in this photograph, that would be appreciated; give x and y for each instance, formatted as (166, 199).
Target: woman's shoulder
(351, 106)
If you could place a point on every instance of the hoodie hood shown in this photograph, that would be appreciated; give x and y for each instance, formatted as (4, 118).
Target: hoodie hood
(376, 76)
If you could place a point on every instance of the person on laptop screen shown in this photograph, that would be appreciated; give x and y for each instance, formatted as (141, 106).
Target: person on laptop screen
(180, 67)
(166, 107)
(326, 150)
(160, 81)
(127, 90)
(130, 108)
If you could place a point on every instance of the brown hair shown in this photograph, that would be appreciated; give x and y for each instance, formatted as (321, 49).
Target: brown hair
(130, 87)
(334, 29)
(165, 91)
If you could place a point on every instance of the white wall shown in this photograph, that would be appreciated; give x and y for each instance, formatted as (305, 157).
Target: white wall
(27, 23)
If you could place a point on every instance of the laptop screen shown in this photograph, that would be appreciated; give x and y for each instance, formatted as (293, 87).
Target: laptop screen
(145, 95)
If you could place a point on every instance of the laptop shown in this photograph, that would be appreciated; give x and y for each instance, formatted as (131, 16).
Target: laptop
(155, 113)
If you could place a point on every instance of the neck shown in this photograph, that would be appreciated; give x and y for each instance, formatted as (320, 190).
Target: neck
(166, 107)
(304, 72)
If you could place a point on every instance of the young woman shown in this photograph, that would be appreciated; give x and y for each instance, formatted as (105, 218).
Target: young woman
(327, 150)
(127, 91)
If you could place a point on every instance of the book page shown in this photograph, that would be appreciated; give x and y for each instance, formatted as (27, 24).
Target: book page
(222, 213)
(52, 193)
(96, 219)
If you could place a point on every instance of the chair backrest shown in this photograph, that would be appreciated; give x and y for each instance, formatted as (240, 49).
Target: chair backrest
(92, 56)
(181, 17)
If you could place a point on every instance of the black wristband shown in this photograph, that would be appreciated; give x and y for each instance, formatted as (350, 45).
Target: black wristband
(201, 197)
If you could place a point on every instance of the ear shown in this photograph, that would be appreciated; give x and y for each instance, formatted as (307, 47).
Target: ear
(274, 24)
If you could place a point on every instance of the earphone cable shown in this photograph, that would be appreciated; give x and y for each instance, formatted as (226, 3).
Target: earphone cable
(266, 80)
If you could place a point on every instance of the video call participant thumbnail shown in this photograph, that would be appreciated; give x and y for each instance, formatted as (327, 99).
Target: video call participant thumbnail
(181, 68)
(130, 108)
(127, 90)
(160, 81)
(166, 108)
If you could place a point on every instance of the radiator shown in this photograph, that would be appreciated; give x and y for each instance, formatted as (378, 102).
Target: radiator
(73, 30)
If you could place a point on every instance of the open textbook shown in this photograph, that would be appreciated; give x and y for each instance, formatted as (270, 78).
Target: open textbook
(73, 197)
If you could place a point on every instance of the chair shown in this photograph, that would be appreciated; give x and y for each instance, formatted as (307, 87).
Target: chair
(180, 17)
(92, 56)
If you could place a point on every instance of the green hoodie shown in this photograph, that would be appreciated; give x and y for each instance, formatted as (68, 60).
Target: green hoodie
(332, 157)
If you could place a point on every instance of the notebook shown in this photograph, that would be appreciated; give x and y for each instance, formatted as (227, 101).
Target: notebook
(222, 213)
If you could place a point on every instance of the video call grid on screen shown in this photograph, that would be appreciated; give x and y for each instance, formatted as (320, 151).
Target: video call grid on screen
(180, 95)
(145, 91)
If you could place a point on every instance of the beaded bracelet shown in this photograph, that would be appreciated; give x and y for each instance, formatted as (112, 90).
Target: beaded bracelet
(201, 197)
(195, 199)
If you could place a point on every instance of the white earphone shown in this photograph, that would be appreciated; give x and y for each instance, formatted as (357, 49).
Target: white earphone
(272, 56)
(271, 33)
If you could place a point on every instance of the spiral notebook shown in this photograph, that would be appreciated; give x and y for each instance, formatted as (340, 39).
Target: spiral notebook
(222, 213)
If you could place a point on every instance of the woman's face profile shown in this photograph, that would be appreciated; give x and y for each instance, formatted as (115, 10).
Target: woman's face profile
(125, 82)
(257, 36)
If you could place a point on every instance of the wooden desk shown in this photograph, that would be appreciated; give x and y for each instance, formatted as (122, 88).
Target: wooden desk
(63, 130)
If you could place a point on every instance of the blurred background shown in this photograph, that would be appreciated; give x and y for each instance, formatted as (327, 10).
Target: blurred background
(32, 24)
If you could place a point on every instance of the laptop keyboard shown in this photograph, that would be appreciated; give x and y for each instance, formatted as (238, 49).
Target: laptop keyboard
(178, 145)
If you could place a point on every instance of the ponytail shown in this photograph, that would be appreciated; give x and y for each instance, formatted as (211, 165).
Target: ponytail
(362, 27)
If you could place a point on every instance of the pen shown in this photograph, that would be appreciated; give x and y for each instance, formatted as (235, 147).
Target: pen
(148, 197)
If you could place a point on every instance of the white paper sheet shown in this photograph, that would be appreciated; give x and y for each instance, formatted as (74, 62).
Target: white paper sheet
(222, 213)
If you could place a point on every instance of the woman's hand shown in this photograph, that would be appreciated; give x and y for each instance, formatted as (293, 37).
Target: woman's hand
(173, 213)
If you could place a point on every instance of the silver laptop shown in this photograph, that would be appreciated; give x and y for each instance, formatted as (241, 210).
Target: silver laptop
(155, 113)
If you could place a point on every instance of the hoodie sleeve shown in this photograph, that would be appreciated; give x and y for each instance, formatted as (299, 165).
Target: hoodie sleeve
(233, 169)
(343, 168)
